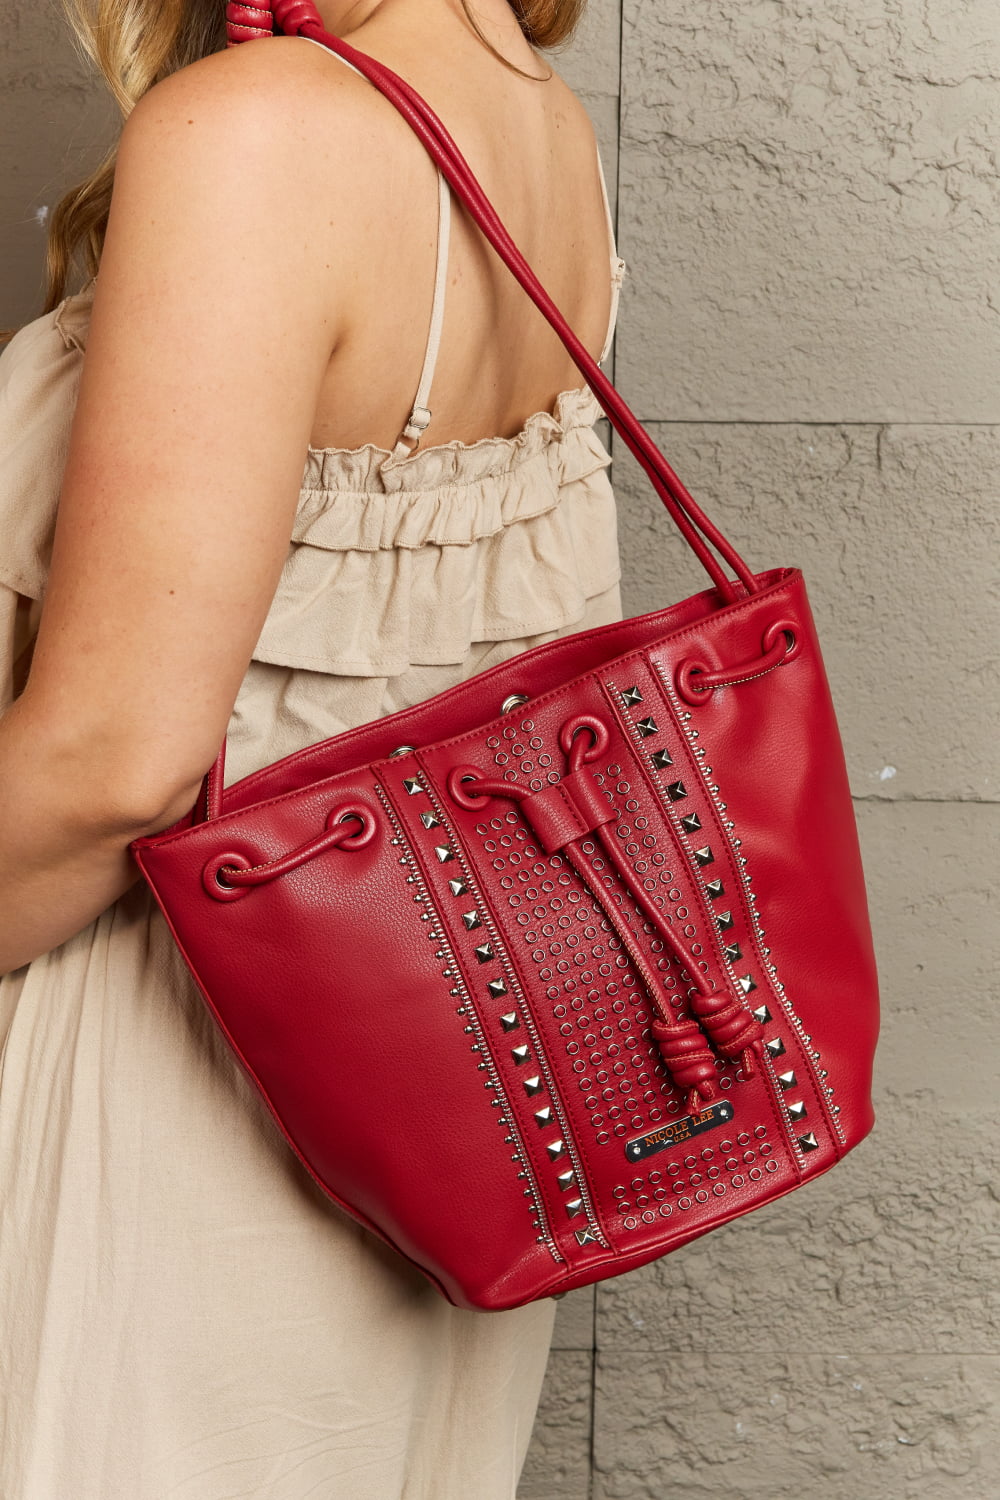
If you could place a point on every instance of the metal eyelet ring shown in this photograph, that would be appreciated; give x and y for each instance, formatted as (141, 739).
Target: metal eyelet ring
(600, 738)
(684, 679)
(785, 628)
(456, 790)
(401, 750)
(214, 881)
(513, 701)
(364, 817)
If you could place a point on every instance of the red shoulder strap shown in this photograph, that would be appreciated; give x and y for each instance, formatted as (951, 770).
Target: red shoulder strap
(299, 18)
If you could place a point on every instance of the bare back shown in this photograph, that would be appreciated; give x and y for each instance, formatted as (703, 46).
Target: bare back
(532, 147)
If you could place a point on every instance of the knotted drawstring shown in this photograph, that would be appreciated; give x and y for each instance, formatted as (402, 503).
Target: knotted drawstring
(563, 813)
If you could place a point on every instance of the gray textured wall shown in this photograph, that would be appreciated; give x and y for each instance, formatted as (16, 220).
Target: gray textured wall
(808, 201)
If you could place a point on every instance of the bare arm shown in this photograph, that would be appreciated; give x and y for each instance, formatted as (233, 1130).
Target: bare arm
(208, 341)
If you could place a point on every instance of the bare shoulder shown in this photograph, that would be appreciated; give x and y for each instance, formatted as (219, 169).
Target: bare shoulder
(282, 112)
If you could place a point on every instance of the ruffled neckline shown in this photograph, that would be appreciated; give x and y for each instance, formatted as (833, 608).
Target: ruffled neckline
(370, 467)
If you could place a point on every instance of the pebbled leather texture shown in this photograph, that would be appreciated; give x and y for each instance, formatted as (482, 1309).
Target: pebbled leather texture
(549, 974)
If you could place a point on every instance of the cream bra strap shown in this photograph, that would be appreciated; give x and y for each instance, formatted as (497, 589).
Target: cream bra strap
(420, 414)
(617, 265)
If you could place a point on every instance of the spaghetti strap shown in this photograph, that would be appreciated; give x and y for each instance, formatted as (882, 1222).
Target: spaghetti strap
(617, 264)
(420, 414)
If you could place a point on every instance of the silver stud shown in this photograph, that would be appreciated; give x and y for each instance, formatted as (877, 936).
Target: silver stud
(747, 983)
(775, 1047)
(646, 727)
(566, 1179)
(412, 784)
(586, 1237)
(555, 1149)
(631, 696)
(762, 1014)
(787, 1080)
(520, 1054)
(705, 856)
(430, 820)
(724, 920)
(444, 852)
(661, 760)
(484, 953)
(471, 920)
(458, 888)
(574, 1207)
(496, 988)
(676, 790)
(691, 823)
(732, 952)
(510, 1022)
(543, 1117)
(533, 1085)
(715, 889)
(797, 1111)
(808, 1142)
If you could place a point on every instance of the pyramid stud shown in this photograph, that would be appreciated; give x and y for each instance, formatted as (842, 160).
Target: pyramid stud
(566, 1179)
(520, 1054)
(496, 988)
(715, 889)
(543, 1117)
(458, 888)
(797, 1112)
(533, 1085)
(412, 784)
(775, 1047)
(705, 856)
(471, 920)
(732, 952)
(484, 952)
(586, 1237)
(631, 696)
(808, 1142)
(691, 823)
(430, 820)
(676, 790)
(646, 727)
(574, 1207)
(724, 920)
(444, 852)
(555, 1149)
(511, 1021)
(787, 1080)
(661, 760)
(762, 1014)
(746, 983)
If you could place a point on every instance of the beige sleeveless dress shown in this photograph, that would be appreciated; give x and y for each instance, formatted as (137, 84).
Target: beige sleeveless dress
(183, 1314)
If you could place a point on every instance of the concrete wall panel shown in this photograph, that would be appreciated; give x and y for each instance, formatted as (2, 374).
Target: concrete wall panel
(810, 210)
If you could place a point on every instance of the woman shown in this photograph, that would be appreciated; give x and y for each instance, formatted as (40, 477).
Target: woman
(182, 1311)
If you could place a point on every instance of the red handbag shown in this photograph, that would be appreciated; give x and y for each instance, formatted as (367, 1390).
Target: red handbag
(549, 974)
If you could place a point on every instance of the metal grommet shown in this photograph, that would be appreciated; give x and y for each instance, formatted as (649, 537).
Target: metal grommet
(401, 750)
(513, 701)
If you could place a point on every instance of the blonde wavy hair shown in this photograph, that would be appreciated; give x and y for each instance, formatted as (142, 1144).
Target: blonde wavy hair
(136, 43)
